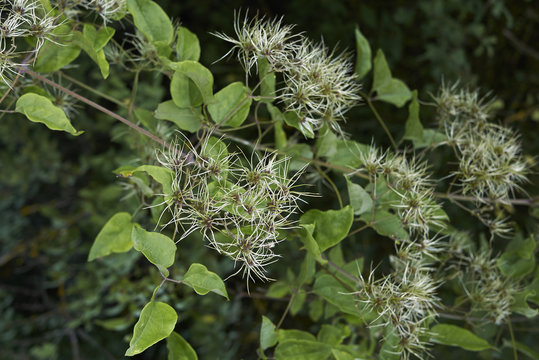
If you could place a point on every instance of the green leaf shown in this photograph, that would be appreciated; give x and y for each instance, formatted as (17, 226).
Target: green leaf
(520, 303)
(302, 350)
(114, 237)
(217, 150)
(331, 226)
(231, 105)
(267, 80)
(297, 302)
(456, 336)
(159, 249)
(292, 119)
(300, 154)
(391, 349)
(44, 351)
(332, 335)
(185, 118)
(37, 90)
(336, 255)
(163, 51)
(326, 143)
(294, 334)
(179, 349)
(160, 174)
(191, 85)
(52, 56)
(116, 324)
(386, 224)
(430, 138)
(333, 291)
(280, 135)
(387, 88)
(348, 154)
(151, 20)
(97, 38)
(156, 322)
(413, 127)
(310, 243)
(268, 335)
(187, 46)
(524, 349)
(86, 41)
(203, 281)
(342, 355)
(316, 309)
(518, 260)
(363, 55)
(184, 92)
(278, 117)
(101, 61)
(93, 41)
(147, 118)
(103, 37)
(38, 108)
(360, 200)
(534, 287)
(278, 290)
(46, 5)
(307, 270)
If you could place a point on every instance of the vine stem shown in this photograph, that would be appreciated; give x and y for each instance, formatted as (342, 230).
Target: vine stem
(379, 118)
(93, 90)
(97, 106)
(342, 271)
(286, 310)
(515, 355)
(331, 183)
(533, 202)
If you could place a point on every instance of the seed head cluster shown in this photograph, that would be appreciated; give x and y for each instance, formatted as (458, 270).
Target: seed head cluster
(319, 86)
(490, 293)
(238, 206)
(409, 180)
(20, 19)
(108, 10)
(405, 300)
(491, 166)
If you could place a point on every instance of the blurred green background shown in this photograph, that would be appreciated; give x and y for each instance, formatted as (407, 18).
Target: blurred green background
(57, 191)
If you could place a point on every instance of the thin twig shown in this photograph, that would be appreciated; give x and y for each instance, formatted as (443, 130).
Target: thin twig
(331, 183)
(379, 118)
(513, 342)
(342, 271)
(520, 45)
(98, 107)
(75, 354)
(93, 90)
(286, 310)
(533, 202)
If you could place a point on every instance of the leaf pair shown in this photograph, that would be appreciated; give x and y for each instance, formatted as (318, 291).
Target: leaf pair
(386, 87)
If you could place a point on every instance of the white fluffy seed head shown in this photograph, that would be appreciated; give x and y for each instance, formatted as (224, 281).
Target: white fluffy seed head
(238, 206)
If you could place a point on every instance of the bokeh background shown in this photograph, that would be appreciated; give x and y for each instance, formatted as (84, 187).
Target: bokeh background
(57, 191)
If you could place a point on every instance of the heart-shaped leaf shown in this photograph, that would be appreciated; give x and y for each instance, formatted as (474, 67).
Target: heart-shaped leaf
(156, 322)
(387, 88)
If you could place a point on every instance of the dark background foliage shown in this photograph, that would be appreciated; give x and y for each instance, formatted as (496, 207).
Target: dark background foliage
(57, 191)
